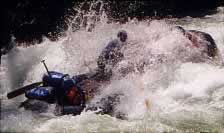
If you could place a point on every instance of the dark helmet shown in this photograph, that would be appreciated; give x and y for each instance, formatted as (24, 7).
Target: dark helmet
(122, 35)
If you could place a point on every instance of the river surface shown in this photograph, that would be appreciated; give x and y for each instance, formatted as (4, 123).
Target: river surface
(174, 93)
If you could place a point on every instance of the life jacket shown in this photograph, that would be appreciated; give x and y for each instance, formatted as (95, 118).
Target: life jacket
(73, 96)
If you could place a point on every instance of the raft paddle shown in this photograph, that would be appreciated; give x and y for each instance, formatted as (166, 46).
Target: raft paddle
(43, 61)
(22, 90)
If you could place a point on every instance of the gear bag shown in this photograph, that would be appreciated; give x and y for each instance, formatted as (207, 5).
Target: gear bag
(39, 93)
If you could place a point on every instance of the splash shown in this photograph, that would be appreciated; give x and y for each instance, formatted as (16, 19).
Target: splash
(163, 85)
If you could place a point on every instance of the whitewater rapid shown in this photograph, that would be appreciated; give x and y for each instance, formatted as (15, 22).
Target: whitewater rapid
(173, 93)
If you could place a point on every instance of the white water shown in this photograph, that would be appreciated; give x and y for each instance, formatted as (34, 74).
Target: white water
(172, 94)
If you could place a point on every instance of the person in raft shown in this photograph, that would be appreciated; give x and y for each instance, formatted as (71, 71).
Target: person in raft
(67, 92)
(107, 59)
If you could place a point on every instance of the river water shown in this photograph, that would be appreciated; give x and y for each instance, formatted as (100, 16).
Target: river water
(174, 93)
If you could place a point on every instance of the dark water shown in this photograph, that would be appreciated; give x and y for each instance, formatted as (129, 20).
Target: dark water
(29, 20)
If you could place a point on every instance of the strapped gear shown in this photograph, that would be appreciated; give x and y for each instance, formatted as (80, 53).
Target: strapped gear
(41, 93)
(64, 89)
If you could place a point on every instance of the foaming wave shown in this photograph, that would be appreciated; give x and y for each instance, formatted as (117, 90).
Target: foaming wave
(164, 51)
(90, 122)
(164, 85)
